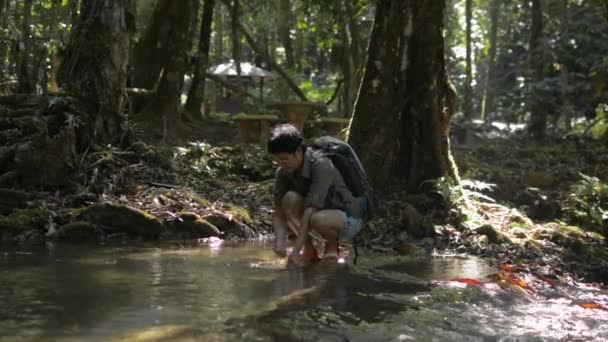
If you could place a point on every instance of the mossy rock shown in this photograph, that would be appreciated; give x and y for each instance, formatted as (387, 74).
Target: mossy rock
(46, 162)
(494, 235)
(80, 231)
(518, 219)
(8, 179)
(21, 220)
(13, 199)
(229, 226)
(194, 226)
(7, 156)
(121, 218)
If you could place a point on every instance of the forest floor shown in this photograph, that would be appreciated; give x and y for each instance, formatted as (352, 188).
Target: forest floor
(535, 211)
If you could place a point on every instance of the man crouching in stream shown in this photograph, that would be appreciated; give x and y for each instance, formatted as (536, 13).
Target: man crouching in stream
(309, 195)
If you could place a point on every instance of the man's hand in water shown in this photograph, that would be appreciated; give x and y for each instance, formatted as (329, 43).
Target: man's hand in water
(294, 259)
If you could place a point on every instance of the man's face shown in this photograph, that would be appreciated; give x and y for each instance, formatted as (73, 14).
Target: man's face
(289, 162)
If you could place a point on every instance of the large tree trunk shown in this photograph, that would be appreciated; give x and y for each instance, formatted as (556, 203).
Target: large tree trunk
(4, 41)
(236, 40)
(73, 12)
(284, 28)
(538, 116)
(163, 48)
(468, 91)
(26, 84)
(196, 94)
(95, 65)
(173, 45)
(487, 105)
(219, 35)
(193, 24)
(401, 122)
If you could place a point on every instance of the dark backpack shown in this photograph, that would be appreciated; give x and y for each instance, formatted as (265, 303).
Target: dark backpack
(346, 161)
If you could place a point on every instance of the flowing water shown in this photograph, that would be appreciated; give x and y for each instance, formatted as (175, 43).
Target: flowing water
(217, 292)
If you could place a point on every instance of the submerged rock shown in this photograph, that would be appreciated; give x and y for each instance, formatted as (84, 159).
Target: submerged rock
(121, 218)
(80, 231)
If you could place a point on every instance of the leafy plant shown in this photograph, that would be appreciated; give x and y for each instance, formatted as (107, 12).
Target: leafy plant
(459, 199)
(588, 201)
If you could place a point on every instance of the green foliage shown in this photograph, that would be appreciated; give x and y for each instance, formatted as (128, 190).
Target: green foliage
(463, 194)
(316, 93)
(588, 202)
(460, 199)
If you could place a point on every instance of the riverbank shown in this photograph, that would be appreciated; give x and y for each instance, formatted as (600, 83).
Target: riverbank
(532, 226)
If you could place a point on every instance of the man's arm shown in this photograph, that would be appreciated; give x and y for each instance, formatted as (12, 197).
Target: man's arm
(303, 235)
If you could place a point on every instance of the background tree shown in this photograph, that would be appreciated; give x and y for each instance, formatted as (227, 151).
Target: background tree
(406, 95)
(196, 93)
(468, 91)
(488, 96)
(26, 84)
(538, 118)
(95, 67)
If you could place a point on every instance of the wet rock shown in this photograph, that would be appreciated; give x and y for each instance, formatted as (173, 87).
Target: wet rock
(7, 155)
(229, 226)
(407, 249)
(121, 218)
(412, 221)
(482, 241)
(516, 218)
(80, 231)
(494, 235)
(519, 233)
(7, 179)
(23, 220)
(193, 226)
(82, 199)
(13, 199)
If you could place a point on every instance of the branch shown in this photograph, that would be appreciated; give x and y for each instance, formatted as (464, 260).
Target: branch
(335, 94)
(262, 52)
(230, 85)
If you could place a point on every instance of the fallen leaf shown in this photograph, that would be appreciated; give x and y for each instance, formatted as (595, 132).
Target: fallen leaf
(592, 306)
(468, 281)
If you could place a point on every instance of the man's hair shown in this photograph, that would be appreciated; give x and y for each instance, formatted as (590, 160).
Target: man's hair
(284, 138)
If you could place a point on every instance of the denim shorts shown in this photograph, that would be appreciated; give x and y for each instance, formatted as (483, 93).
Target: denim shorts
(352, 226)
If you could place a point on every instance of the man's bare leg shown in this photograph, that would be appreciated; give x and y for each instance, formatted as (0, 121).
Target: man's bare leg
(292, 206)
(329, 224)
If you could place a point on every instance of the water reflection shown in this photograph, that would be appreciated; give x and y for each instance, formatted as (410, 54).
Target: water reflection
(242, 292)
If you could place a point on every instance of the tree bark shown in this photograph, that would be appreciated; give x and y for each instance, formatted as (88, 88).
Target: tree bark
(538, 117)
(236, 40)
(400, 128)
(4, 41)
(468, 92)
(73, 12)
(26, 85)
(173, 45)
(95, 66)
(163, 47)
(193, 25)
(196, 94)
(487, 105)
(284, 28)
(219, 35)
